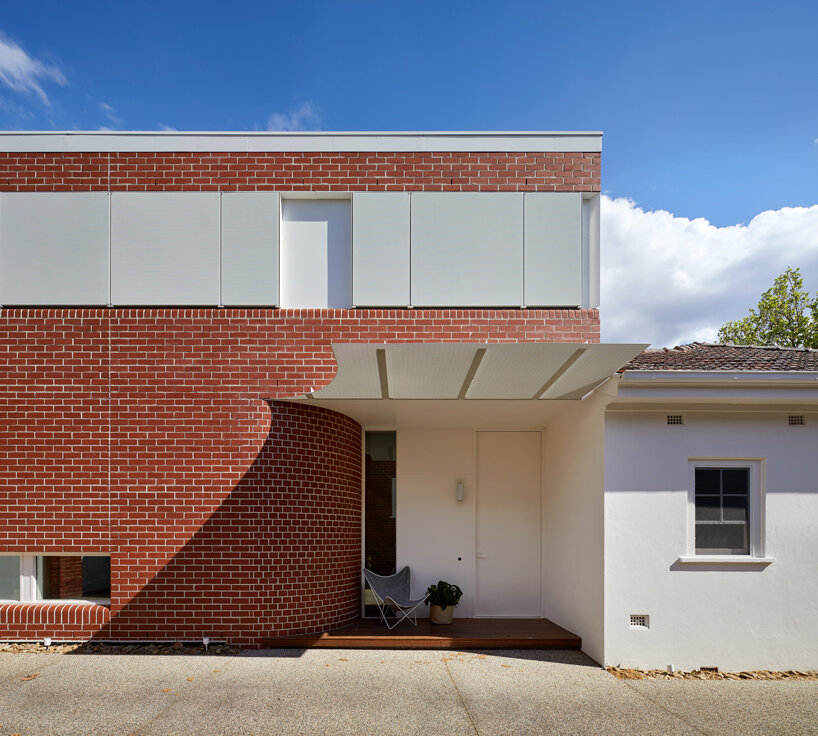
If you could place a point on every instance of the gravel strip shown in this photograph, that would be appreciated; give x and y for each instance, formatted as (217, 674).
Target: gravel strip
(710, 674)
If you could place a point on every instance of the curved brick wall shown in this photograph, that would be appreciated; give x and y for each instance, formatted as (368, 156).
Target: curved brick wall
(316, 480)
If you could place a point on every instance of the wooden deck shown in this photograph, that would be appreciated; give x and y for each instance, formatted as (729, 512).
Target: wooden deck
(464, 633)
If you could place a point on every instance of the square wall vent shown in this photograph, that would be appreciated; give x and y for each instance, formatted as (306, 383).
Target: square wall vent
(640, 621)
(675, 419)
(796, 420)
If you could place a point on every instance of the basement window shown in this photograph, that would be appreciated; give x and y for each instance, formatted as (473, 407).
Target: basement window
(42, 578)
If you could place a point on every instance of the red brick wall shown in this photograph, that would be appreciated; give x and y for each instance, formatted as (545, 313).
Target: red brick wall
(145, 434)
(358, 171)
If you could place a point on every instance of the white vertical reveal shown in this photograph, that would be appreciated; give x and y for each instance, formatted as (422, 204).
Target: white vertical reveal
(590, 251)
(316, 253)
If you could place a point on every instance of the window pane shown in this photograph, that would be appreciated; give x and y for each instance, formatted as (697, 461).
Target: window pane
(722, 539)
(735, 508)
(708, 480)
(96, 577)
(66, 578)
(708, 508)
(735, 480)
(9, 578)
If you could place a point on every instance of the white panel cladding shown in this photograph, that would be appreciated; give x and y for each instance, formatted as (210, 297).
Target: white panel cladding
(249, 253)
(316, 253)
(164, 248)
(380, 249)
(553, 249)
(53, 248)
(467, 249)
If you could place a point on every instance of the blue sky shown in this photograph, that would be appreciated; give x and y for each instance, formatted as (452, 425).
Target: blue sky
(710, 109)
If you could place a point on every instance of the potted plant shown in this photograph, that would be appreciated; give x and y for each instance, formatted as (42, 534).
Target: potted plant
(443, 597)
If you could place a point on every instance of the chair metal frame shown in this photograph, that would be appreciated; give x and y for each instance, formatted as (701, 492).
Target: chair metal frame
(402, 610)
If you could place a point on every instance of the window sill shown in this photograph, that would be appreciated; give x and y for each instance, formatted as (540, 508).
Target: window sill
(726, 560)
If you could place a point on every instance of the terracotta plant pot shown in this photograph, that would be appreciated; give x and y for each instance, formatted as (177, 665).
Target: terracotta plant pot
(438, 615)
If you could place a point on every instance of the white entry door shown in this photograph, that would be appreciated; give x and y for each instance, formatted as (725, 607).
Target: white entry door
(508, 524)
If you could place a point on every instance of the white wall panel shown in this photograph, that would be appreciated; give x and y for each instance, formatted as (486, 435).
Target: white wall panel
(165, 248)
(553, 249)
(53, 248)
(467, 249)
(250, 248)
(316, 253)
(380, 249)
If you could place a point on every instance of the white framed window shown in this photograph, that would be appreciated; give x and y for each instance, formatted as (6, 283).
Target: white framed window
(31, 578)
(726, 508)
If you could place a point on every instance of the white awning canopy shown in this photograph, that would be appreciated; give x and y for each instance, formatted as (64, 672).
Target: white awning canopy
(473, 371)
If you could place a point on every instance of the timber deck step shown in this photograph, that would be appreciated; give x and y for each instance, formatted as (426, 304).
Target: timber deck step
(464, 633)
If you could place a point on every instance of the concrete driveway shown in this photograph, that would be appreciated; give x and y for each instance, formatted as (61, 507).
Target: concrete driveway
(380, 692)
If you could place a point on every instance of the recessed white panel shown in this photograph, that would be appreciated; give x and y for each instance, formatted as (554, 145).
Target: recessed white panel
(467, 249)
(518, 371)
(249, 254)
(380, 249)
(316, 253)
(553, 249)
(165, 248)
(53, 248)
(423, 371)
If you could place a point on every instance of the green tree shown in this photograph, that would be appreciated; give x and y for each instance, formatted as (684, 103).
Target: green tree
(784, 316)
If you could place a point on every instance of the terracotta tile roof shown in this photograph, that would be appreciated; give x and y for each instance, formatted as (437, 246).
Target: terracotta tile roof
(701, 356)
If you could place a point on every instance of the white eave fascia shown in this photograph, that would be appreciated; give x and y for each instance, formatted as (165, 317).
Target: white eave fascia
(301, 141)
(718, 378)
(716, 388)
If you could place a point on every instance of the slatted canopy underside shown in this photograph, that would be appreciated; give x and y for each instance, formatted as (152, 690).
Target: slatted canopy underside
(473, 371)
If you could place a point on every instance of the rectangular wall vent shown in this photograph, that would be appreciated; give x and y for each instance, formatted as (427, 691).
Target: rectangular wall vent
(796, 420)
(675, 419)
(639, 621)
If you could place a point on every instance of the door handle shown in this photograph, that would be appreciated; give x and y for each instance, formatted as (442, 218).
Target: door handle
(481, 555)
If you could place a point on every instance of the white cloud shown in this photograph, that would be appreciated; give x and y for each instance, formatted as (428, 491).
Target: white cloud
(23, 73)
(306, 117)
(668, 280)
(110, 113)
(162, 126)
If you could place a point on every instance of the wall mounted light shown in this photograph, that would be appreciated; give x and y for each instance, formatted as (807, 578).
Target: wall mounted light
(459, 491)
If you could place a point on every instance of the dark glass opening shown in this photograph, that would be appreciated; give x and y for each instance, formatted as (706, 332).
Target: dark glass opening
(380, 501)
